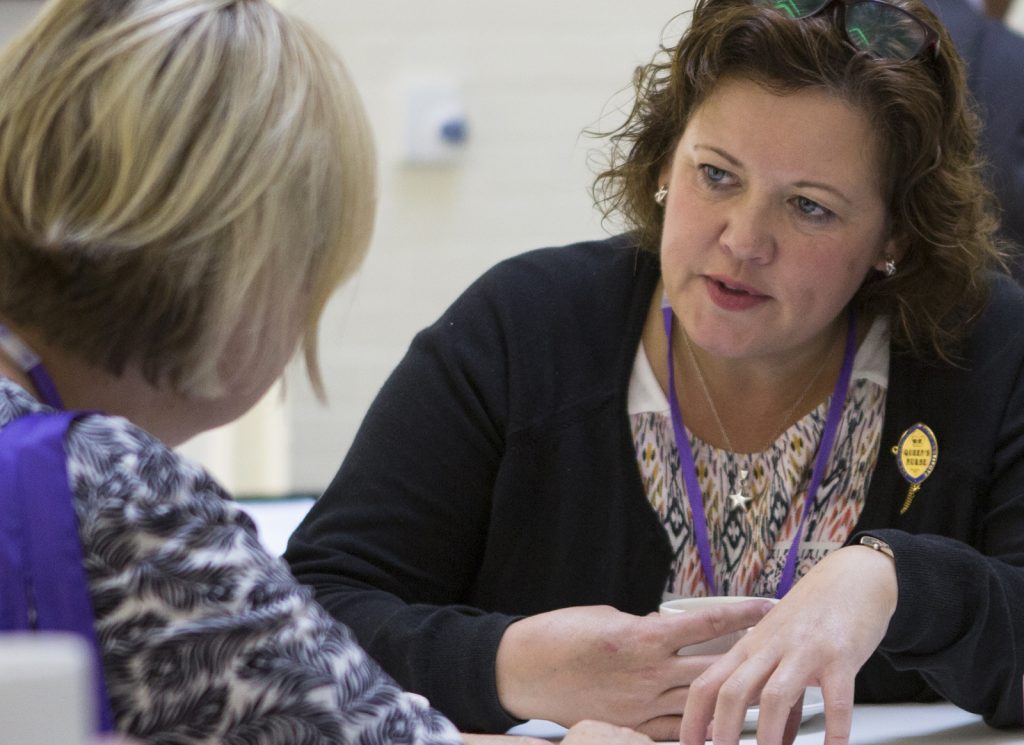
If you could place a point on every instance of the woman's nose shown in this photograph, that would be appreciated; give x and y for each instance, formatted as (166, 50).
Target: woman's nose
(748, 233)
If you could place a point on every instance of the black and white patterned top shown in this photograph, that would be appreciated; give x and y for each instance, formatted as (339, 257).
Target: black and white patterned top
(206, 637)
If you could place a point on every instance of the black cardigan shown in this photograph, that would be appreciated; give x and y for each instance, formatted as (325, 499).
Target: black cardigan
(495, 476)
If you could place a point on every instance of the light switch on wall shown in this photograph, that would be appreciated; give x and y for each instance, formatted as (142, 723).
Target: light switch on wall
(436, 126)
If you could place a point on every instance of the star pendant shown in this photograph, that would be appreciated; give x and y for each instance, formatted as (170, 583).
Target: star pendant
(739, 500)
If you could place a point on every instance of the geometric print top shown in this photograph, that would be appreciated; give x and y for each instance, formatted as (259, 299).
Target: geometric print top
(205, 636)
(749, 547)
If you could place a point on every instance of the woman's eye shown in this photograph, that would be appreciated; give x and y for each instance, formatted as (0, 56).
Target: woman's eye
(810, 208)
(714, 175)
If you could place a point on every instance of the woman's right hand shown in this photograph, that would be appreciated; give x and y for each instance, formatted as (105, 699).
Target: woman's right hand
(597, 663)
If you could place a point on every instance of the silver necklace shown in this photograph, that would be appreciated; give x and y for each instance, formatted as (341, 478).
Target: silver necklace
(740, 496)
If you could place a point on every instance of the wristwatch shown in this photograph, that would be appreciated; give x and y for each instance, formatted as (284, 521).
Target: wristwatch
(878, 544)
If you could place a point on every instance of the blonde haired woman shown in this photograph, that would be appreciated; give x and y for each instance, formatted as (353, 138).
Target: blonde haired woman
(184, 185)
(185, 182)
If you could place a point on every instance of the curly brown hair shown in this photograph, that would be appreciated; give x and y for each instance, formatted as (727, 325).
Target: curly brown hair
(940, 209)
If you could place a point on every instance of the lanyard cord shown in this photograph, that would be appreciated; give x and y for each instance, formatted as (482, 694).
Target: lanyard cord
(689, 470)
(30, 364)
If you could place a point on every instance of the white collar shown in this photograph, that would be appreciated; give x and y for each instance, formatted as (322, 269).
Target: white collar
(871, 363)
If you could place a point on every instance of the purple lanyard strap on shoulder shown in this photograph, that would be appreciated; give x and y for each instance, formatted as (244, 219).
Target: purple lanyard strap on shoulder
(689, 470)
(43, 585)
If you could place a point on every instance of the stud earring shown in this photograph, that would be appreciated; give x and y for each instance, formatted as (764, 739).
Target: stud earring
(890, 266)
(660, 194)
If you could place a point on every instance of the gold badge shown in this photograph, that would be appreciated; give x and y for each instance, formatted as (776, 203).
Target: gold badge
(916, 454)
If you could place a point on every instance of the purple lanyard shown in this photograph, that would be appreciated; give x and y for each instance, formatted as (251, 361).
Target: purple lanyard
(43, 584)
(828, 437)
(32, 366)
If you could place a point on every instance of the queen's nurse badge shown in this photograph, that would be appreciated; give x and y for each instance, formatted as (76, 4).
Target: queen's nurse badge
(916, 454)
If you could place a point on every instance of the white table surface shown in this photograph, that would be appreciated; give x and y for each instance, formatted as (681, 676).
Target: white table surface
(276, 519)
(875, 724)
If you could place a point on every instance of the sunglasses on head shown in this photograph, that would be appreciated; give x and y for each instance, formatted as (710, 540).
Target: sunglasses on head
(872, 26)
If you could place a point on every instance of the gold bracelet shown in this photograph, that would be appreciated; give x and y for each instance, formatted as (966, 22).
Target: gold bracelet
(876, 543)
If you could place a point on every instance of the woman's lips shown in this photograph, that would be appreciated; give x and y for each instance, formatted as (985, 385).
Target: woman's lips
(730, 295)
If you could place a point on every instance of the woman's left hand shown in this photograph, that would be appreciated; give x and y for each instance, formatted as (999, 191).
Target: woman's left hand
(820, 634)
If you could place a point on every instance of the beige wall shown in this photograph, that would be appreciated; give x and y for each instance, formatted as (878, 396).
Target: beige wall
(533, 74)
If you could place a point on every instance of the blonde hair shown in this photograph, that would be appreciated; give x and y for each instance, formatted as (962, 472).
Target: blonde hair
(173, 172)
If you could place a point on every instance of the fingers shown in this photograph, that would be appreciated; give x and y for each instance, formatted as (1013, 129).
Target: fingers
(821, 633)
(720, 693)
(708, 623)
(780, 711)
(736, 691)
(781, 699)
(684, 669)
(662, 729)
(838, 694)
(796, 715)
(725, 691)
(723, 697)
(700, 709)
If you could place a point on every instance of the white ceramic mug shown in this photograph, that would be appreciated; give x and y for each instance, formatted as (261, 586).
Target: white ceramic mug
(718, 645)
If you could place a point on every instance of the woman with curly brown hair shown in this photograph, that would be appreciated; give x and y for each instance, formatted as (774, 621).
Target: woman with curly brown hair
(797, 376)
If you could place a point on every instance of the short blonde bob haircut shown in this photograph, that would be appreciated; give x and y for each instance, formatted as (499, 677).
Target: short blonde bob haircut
(174, 173)
(940, 209)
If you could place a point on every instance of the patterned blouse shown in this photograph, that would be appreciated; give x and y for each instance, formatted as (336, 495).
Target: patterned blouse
(206, 637)
(749, 546)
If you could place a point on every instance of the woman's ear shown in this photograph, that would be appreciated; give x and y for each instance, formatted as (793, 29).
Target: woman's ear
(889, 258)
(665, 173)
